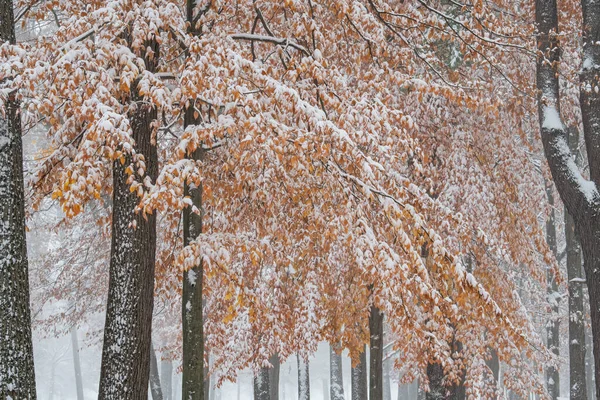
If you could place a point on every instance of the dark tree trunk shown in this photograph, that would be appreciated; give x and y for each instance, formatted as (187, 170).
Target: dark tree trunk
(553, 323)
(274, 377)
(261, 385)
(580, 197)
(577, 383)
(336, 378)
(155, 387)
(494, 365)
(359, 378)
(17, 376)
(435, 374)
(166, 379)
(127, 331)
(195, 380)
(376, 354)
(192, 313)
(77, 363)
(304, 379)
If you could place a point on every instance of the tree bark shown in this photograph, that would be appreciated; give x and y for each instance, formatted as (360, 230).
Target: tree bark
(261, 385)
(17, 375)
(376, 354)
(127, 331)
(77, 363)
(274, 377)
(589, 364)
(553, 323)
(336, 378)
(580, 197)
(192, 313)
(437, 390)
(304, 379)
(577, 350)
(359, 378)
(194, 375)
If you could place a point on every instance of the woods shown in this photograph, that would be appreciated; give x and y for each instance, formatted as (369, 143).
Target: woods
(321, 199)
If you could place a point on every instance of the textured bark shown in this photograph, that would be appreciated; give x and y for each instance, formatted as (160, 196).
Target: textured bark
(192, 313)
(553, 323)
(166, 379)
(359, 378)
(261, 385)
(577, 350)
(304, 379)
(77, 363)
(194, 381)
(435, 374)
(582, 203)
(376, 354)
(274, 377)
(336, 378)
(17, 376)
(155, 387)
(127, 331)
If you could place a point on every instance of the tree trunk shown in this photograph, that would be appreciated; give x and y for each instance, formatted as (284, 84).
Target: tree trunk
(304, 379)
(577, 385)
(166, 379)
(552, 325)
(336, 378)
(580, 197)
(435, 374)
(77, 363)
(261, 385)
(359, 378)
(192, 313)
(494, 365)
(17, 375)
(376, 354)
(127, 331)
(589, 364)
(274, 377)
(194, 381)
(155, 387)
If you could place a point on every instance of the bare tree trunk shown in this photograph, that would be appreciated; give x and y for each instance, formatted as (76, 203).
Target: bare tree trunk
(261, 385)
(552, 325)
(155, 387)
(166, 379)
(274, 377)
(325, 390)
(127, 331)
(304, 379)
(77, 363)
(359, 378)
(589, 364)
(336, 378)
(376, 354)
(577, 384)
(17, 375)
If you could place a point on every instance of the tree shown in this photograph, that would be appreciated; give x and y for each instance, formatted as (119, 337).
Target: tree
(304, 379)
(336, 377)
(376, 354)
(577, 345)
(17, 375)
(127, 332)
(77, 363)
(553, 324)
(359, 377)
(579, 195)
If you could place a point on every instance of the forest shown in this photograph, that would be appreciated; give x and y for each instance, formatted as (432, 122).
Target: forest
(300, 199)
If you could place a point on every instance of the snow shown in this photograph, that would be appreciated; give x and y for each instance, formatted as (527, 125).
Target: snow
(588, 188)
(192, 277)
(551, 118)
